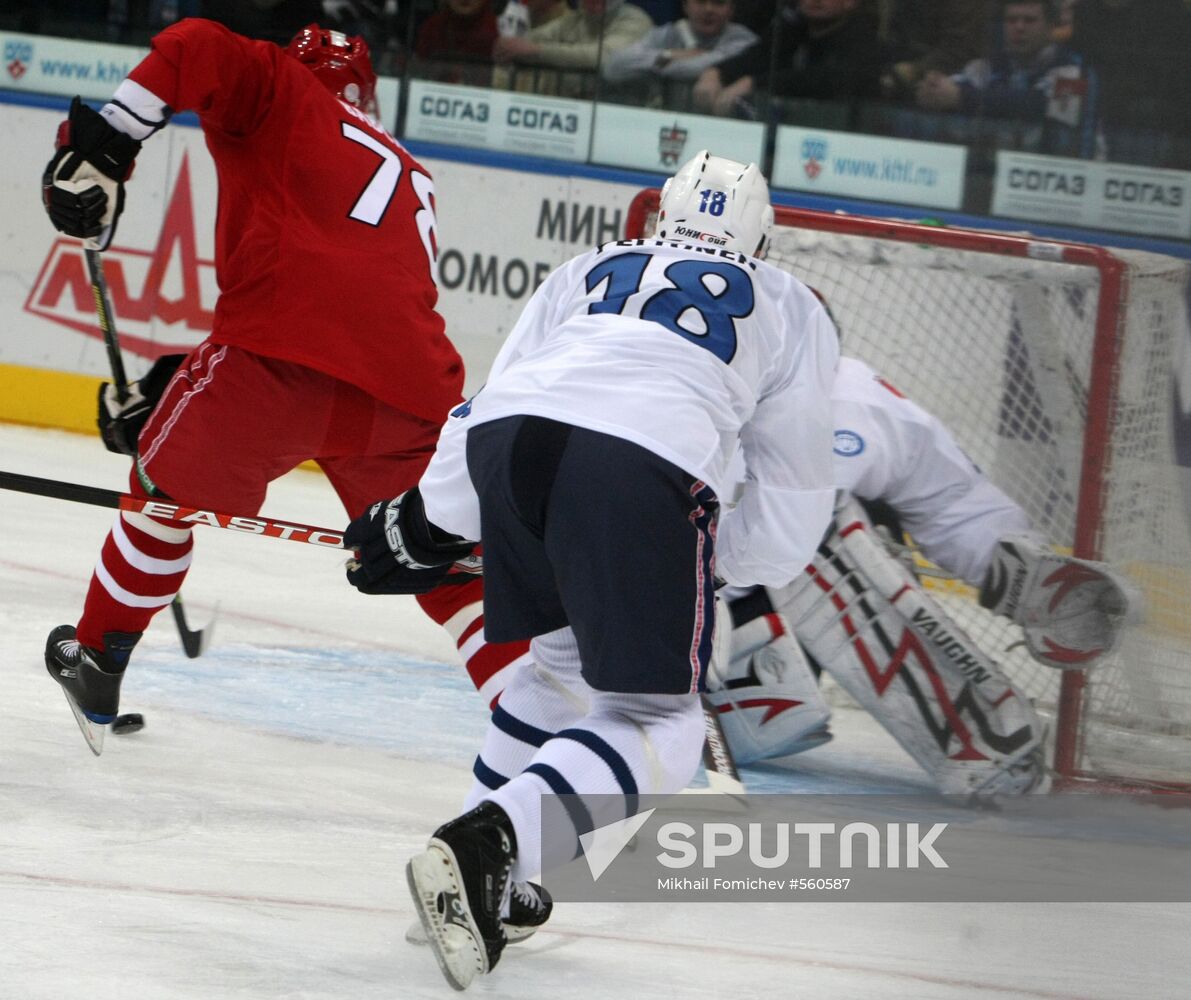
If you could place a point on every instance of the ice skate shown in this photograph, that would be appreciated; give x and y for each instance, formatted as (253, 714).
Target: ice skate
(528, 907)
(458, 884)
(90, 679)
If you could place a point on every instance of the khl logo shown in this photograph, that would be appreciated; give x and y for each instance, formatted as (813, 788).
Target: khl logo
(17, 57)
(814, 152)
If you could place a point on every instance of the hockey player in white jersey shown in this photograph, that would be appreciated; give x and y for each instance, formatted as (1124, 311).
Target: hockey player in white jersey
(590, 465)
(865, 619)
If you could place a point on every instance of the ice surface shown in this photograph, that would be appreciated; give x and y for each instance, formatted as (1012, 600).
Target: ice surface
(250, 842)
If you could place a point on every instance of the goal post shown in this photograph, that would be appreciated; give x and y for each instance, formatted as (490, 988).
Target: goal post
(1052, 363)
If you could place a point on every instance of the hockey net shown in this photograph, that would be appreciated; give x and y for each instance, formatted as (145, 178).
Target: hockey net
(1052, 364)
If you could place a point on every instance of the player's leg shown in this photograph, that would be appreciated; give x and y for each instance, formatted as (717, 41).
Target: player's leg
(459, 882)
(459, 609)
(647, 544)
(644, 739)
(549, 690)
(865, 618)
(228, 422)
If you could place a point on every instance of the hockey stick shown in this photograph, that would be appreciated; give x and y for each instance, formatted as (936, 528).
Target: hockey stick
(98, 497)
(107, 326)
(723, 776)
(193, 641)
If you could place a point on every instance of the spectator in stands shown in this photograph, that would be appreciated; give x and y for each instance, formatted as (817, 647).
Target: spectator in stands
(943, 36)
(457, 39)
(520, 16)
(1028, 78)
(577, 43)
(683, 49)
(823, 49)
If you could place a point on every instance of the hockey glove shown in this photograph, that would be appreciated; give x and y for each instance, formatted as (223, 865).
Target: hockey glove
(120, 423)
(1072, 611)
(83, 185)
(398, 551)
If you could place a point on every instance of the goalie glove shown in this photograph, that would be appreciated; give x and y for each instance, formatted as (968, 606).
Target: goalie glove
(83, 185)
(121, 423)
(398, 551)
(1072, 611)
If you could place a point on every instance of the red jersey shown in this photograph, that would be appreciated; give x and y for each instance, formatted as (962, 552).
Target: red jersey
(324, 238)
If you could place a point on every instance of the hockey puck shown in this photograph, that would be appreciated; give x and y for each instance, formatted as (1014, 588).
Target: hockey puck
(133, 722)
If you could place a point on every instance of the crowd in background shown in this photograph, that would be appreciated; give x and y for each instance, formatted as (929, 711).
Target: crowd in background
(1087, 78)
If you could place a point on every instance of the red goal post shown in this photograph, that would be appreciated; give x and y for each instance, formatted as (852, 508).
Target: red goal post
(1053, 364)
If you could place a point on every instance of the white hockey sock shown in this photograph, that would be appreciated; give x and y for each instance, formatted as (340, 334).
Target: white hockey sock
(628, 745)
(548, 689)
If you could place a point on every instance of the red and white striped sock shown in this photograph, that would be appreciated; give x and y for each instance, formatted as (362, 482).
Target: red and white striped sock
(460, 610)
(141, 567)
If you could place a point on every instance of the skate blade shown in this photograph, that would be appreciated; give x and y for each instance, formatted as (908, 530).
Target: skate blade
(451, 934)
(92, 731)
(415, 934)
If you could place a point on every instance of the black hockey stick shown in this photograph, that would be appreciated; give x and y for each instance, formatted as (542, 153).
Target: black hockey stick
(194, 642)
(107, 325)
(723, 775)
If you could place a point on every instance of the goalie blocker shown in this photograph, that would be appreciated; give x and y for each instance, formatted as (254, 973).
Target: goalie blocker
(760, 686)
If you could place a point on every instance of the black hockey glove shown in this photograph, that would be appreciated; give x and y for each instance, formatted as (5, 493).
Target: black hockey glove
(83, 185)
(398, 551)
(120, 424)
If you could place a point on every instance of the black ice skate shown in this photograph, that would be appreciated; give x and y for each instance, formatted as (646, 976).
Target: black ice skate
(529, 907)
(458, 884)
(90, 679)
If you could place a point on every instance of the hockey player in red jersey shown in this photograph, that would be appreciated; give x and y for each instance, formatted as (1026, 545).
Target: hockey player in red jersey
(325, 345)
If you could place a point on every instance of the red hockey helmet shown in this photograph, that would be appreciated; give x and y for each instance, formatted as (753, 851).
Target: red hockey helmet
(341, 62)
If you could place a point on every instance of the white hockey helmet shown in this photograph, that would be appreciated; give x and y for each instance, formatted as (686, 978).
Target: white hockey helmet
(719, 202)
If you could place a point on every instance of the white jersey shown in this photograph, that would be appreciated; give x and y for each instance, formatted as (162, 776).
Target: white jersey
(889, 448)
(685, 351)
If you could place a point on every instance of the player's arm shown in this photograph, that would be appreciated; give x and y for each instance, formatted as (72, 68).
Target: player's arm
(201, 66)
(397, 549)
(194, 65)
(1072, 611)
(786, 502)
(890, 449)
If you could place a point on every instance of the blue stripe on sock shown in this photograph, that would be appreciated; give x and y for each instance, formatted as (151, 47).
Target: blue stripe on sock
(576, 810)
(486, 776)
(616, 763)
(510, 725)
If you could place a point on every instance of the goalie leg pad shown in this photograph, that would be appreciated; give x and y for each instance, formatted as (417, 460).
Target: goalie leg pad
(762, 688)
(894, 649)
